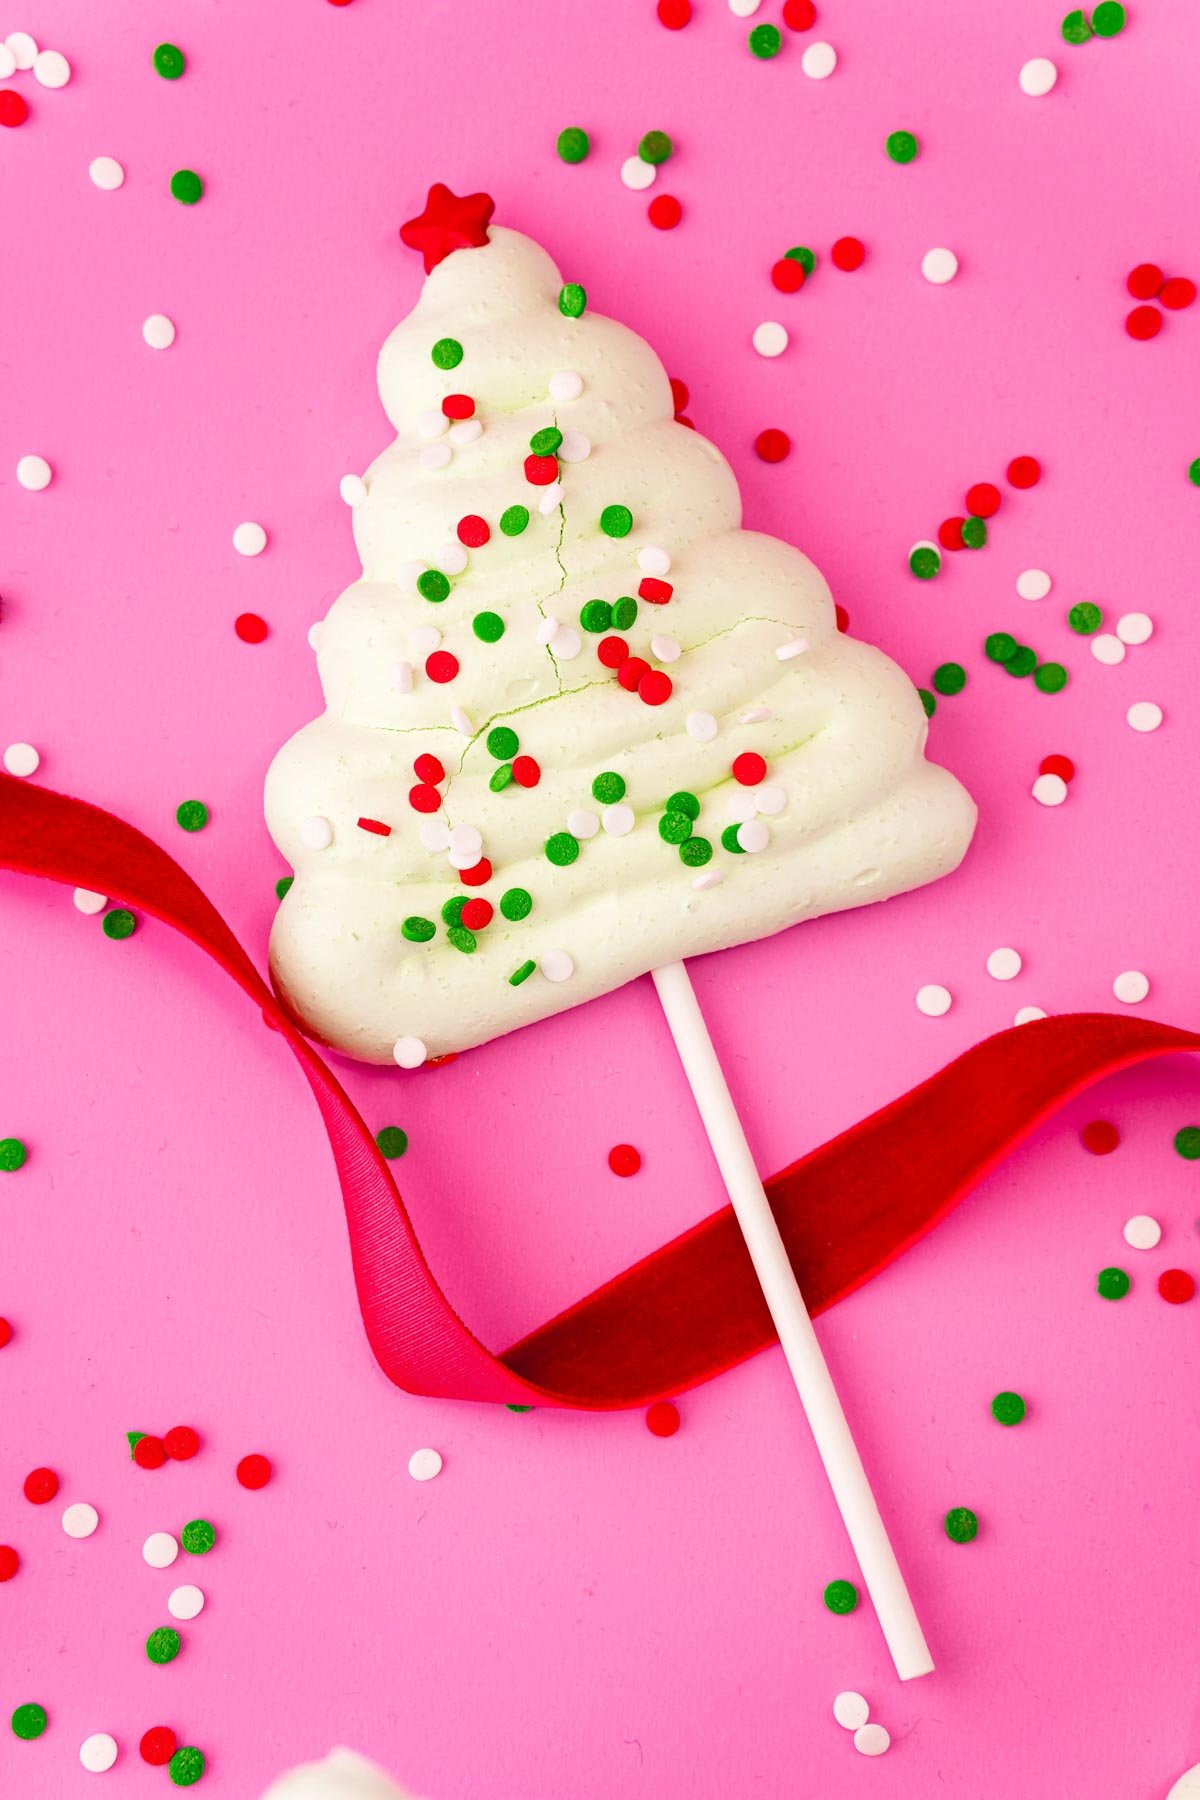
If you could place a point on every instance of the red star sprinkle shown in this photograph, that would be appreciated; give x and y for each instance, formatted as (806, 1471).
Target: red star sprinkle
(449, 222)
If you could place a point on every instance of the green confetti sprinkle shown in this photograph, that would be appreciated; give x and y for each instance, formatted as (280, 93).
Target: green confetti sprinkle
(488, 627)
(1023, 661)
(685, 803)
(1112, 1284)
(961, 1525)
(573, 144)
(13, 1153)
(462, 939)
(1008, 1409)
(562, 848)
(282, 885)
(694, 852)
(901, 146)
(163, 1645)
(624, 612)
(572, 300)
(674, 828)
(974, 533)
(192, 815)
(169, 61)
(29, 1721)
(1194, 472)
(503, 743)
(511, 1406)
(1108, 19)
(729, 840)
(501, 778)
(198, 1537)
(1050, 678)
(928, 701)
(433, 585)
(452, 909)
(522, 974)
(1075, 28)
(949, 678)
(596, 615)
(616, 521)
(924, 562)
(186, 1766)
(608, 788)
(841, 1596)
(803, 255)
(516, 903)
(1085, 618)
(418, 930)
(119, 923)
(513, 520)
(765, 42)
(546, 441)
(134, 1438)
(655, 147)
(392, 1142)
(186, 186)
(447, 353)
(1187, 1143)
(999, 646)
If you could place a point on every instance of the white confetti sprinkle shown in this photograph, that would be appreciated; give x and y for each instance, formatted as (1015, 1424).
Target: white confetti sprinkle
(249, 538)
(98, 1753)
(566, 643)
(316, 833)
(434, 833)
(423, 1465)
(465, 431)
(637, 174)
(315, 634)
(1107, 649)
(770, 338)
(819, 61)
(435, 456)
(618, 820)
(432, 424)
(575, 447)
(1004, 964)
(753, 836)
(409, 1052)
(106, 173)
(51, 69)
(353, 489)
(1033, 584)
(80, 1520)
(556, 965)
(461, 722)
(160, 1550)
(653, 560)
(582, 824)
(793, 647)
(933, 1000)
(1142, 1232)
(701, 726)
(769, 798)
(756, 715)
(22, 759)
(1037, 76)
(185, 1602)
(565, 384)
(939, 266)
(1049, 790)
(34, 473)
(1131, 986)
(1144, 715)
(88, 902)
(1025, 1015)
(1135, 628)
(744, 9)
(851, 1710)
(24, 49)
(452, 559)
(423, 640)
(665, 649)
(871, 1740)
(708, 878)
(158, 331)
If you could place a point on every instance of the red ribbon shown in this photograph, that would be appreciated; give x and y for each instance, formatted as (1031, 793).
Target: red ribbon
(691, 1309)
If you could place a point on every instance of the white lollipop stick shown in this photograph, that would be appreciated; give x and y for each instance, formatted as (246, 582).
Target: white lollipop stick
(814, 1384)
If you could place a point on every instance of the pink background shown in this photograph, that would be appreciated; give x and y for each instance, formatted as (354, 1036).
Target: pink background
(575, 1609)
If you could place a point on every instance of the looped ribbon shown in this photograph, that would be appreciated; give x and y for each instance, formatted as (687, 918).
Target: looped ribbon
(692, 1309)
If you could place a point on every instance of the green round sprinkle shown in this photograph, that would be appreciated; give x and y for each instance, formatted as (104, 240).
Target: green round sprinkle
(186, 1766)
(418, 930)
(573, 144)
(1112, 1284)
(841, 1596)
(1075, 28)
(186, 186)
(462, 939)
(949, 678)
(1187, 1143)
(516, 903)
(169, 61)
(624, 612)
(608, 788)
(999, 646)
(1085, 618)
(674, 828)
(961, 1525)
(1008, 1409)
(572, 300)
(13, 1153)
(163, 1645)
(928, 701)
(694, 852)
(513, 520)
(522, 974)
(685, 803)
(729, 840)
(1194, 472)
(392, 1142)
(501, 778)
(282, 885)
(447, 353)
(616, 521)
(511, 1406)
(488, 627)
(803, 255)
(452, 909)
(192, 815)
(1108, 18)
(655, 147)
(1050, 678)
(924, 562)
(562, 848)
(901, 146)
(197, 1537)
(1023, 661)
(596, 615)
(503, 743)
(135, 1438)
(765, 41)
(29, 1721)
(974, 533)
(433, 585)
(119, 923)
(546, 441)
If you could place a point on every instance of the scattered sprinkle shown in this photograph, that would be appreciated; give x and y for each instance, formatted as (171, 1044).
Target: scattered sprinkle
(1131, 986)
(1037, 76)
(254, 1471)
(573, 144)
(160, 1550)
(106, 173)
(939, 266)
(765, 42)
(623, 1159)
(34, 472)
(1112, 1284)
(933, 1000)
(80, 1520)
(1144, 715)
(961, 1525)
(662, 1419)
(770, 338)
(1008, 1408)
(197, 1537)
(98, 1753)
(409, 1052)
(1033, 584)
(186, 186)
(29, 1721)
(819, 61)
(901, 146)
(872, 1740)
(169, 61)
(1100, 1137)
(841, 1596)
(1187, 1143)
(163, 1645)
(1003, 965)
(185, 1602)
(1176, 1286)
(1142, 1232)
(158, 1745)
(423, 1465)
(850, 1710)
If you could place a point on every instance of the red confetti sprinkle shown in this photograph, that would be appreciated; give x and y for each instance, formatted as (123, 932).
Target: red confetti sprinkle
(749, 768)
(10, 1562)
(679, 393)
(631, 672)
(1176, 1285)
(1144, 282)
(477, 914)
(799, 15)
(848, 253)
(655, 687)
(664, 212)
(181, 1442)
(1100, 1137)
(1061, 766)
(250, 628)
(540, 471)
(983, 500)
(5, 1333)
(1178, 293)
(254, 1471)
(40, 1486)
(428, 768)
(441, 666)
(787, 275)
(950, 535)
(1144, 322)
(662, 1418)
(449, 222)
(380, 830)
(842, 617)
(473, 531)
(526, 771)
(612, 651)
(772, 444)
(1024, 472)
(423, 798)
(14, 108)
(458, 406)
(623, 1159)
(159, 1743)
(674, 14)
(655, 591)
(149, 1453)
(477, 874)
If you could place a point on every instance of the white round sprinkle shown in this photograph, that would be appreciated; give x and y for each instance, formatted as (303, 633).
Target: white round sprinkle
(550, 499)
(618, 820)
(432, 424)
(98, 1753)
(1027, 1014)
(1049, 790)
(770, 798)
(819, 61)
(452, 559)
(565, 384)
(8, 62)
(402, 677)
(80, 1520)
(24, 50)
(1037, 76)
(1142, 1232)
(702, 726)
(652, 560)
(407, 575)
(435, 456)
(249, 538)
(566, 643)
(933, 1000)
(466, 846)
(546, 630)
(582, 824)
(871, 1740)
(21, 759)
(315, 634)
(1002, 965)
(106, 173)
(353, 489)
(1131, 986)
(434, 833)
(465, 431)
(88, 902)
(637, 174)
(423, 640)
(556, 965)
(51, 69)
(770, 338)
(575, 448)
(158, 331)
(34, 473)
(1144, 715)
(316, 833)
(741, 804)
(423, 1465)
(1135, 628)
(665, 649)
(753, 836)
(1107, 649)
(160, 1550)
(1033, 584)
(744, 9)
(755, 715)
(851, 1710)
(939, 266)
(409, 1052)
(708, 878)
(185, 1602)
(793, 647)
(461, 722)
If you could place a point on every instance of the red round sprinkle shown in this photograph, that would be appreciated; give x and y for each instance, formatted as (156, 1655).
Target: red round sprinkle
(612, 651)
(181, 1443)
(250, 628)
(458, 406)
(379, 829)
(1176, 1285)
(14, 108)
(254, 1471)
(10, 1562)
(983, 499)
(5, 1333)
(428, 768)
(149, 1453)
(1145, 281)
(631, 672)
(1100, 1137)
(477, 913)
(772, 444)
(40, 1486)
(842, 617)
(1178, 293)
(950, 535)
(799, 15)
(473, 531)
(749, 768)
(1057, 765)
(655, 591)
(477, 874)
(1144, 322)
(848, 253)
(787, 275)
(679, 393)
(423, 798)
(623, 1159)
(662, 1418)
(441, 666)
(664, 212)
(1024, 472)
(540, 471)
(681, 420)
(526, 771)
(159, 1743)
(674, 14)
(655, 687)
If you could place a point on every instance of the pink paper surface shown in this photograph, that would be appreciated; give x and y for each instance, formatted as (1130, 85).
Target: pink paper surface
(576, 1609)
